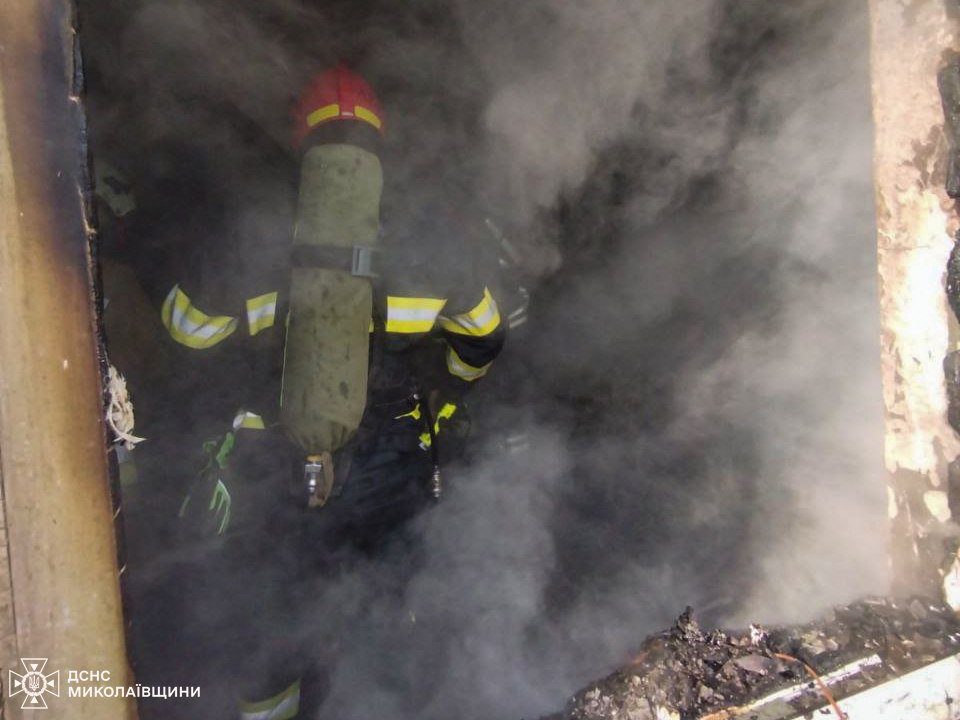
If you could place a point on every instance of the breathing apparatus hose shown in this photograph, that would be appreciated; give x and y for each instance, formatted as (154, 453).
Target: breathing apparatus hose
(436, 481)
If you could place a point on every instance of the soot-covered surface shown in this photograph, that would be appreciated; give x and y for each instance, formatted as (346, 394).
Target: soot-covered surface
(694, 673)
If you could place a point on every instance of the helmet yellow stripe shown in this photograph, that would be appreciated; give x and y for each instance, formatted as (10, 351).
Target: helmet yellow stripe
(367, 116)
(327, 112)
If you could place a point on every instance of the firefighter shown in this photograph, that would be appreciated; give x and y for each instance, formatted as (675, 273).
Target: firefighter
(322, 289)
(370, 331)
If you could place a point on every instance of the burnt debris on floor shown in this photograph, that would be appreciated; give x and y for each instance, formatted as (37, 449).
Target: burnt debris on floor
(689, 672)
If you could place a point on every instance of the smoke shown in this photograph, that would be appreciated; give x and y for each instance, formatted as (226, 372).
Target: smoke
(809, 387)
(457, 628)
(703, 352)
(690, 185)
(568, 81)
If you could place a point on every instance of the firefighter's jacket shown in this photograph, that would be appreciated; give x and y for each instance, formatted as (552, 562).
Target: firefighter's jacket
(226, 317)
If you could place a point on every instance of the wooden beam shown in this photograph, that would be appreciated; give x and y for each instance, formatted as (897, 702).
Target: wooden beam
(62, 548)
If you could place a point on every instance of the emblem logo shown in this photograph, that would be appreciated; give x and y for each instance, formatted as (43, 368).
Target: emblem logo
(33, 684)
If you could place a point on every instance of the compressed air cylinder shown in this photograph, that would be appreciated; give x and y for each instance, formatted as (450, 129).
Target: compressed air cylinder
(326, 356)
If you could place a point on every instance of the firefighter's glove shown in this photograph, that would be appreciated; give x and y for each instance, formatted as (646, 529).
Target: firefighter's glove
(450, 422)
(442, 419)
(205, 511)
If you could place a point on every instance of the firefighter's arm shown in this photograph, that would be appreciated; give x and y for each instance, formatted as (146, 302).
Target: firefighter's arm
(474, 333)
(188, 325)
(206, 510)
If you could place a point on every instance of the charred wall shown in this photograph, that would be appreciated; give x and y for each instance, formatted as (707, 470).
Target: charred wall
(915, 219)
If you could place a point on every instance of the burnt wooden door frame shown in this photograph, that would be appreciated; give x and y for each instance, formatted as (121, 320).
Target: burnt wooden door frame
(65, 601)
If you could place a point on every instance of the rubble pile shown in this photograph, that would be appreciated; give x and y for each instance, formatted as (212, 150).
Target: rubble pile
(692, 673)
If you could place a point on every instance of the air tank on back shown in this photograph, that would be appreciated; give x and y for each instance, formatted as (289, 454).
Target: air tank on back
(331, 296)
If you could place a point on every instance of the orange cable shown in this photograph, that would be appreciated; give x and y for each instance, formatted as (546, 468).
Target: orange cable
(823, 688)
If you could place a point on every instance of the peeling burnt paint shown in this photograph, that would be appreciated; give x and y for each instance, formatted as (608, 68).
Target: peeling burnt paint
(930, 160)
(953, 285)
(915, 88)
(918, 537)
(948, 82)
(951, 370)
(953, 487)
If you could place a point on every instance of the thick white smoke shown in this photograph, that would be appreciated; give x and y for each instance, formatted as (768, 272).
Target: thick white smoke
(811, 386)
(752, 486)
(569, 79)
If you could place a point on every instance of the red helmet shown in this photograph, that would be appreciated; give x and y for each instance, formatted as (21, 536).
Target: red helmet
(336, 94)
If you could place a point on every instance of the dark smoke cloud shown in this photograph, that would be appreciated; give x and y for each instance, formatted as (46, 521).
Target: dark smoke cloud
(691, 185)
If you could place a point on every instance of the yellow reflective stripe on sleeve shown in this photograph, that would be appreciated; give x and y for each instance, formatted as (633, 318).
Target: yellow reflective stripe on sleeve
(261, 312)
(366, 115)
(482, 320)
(324, 113)
(412, 314)
(191, 327)
(282, 706)
(248, 421)
(462, 370)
